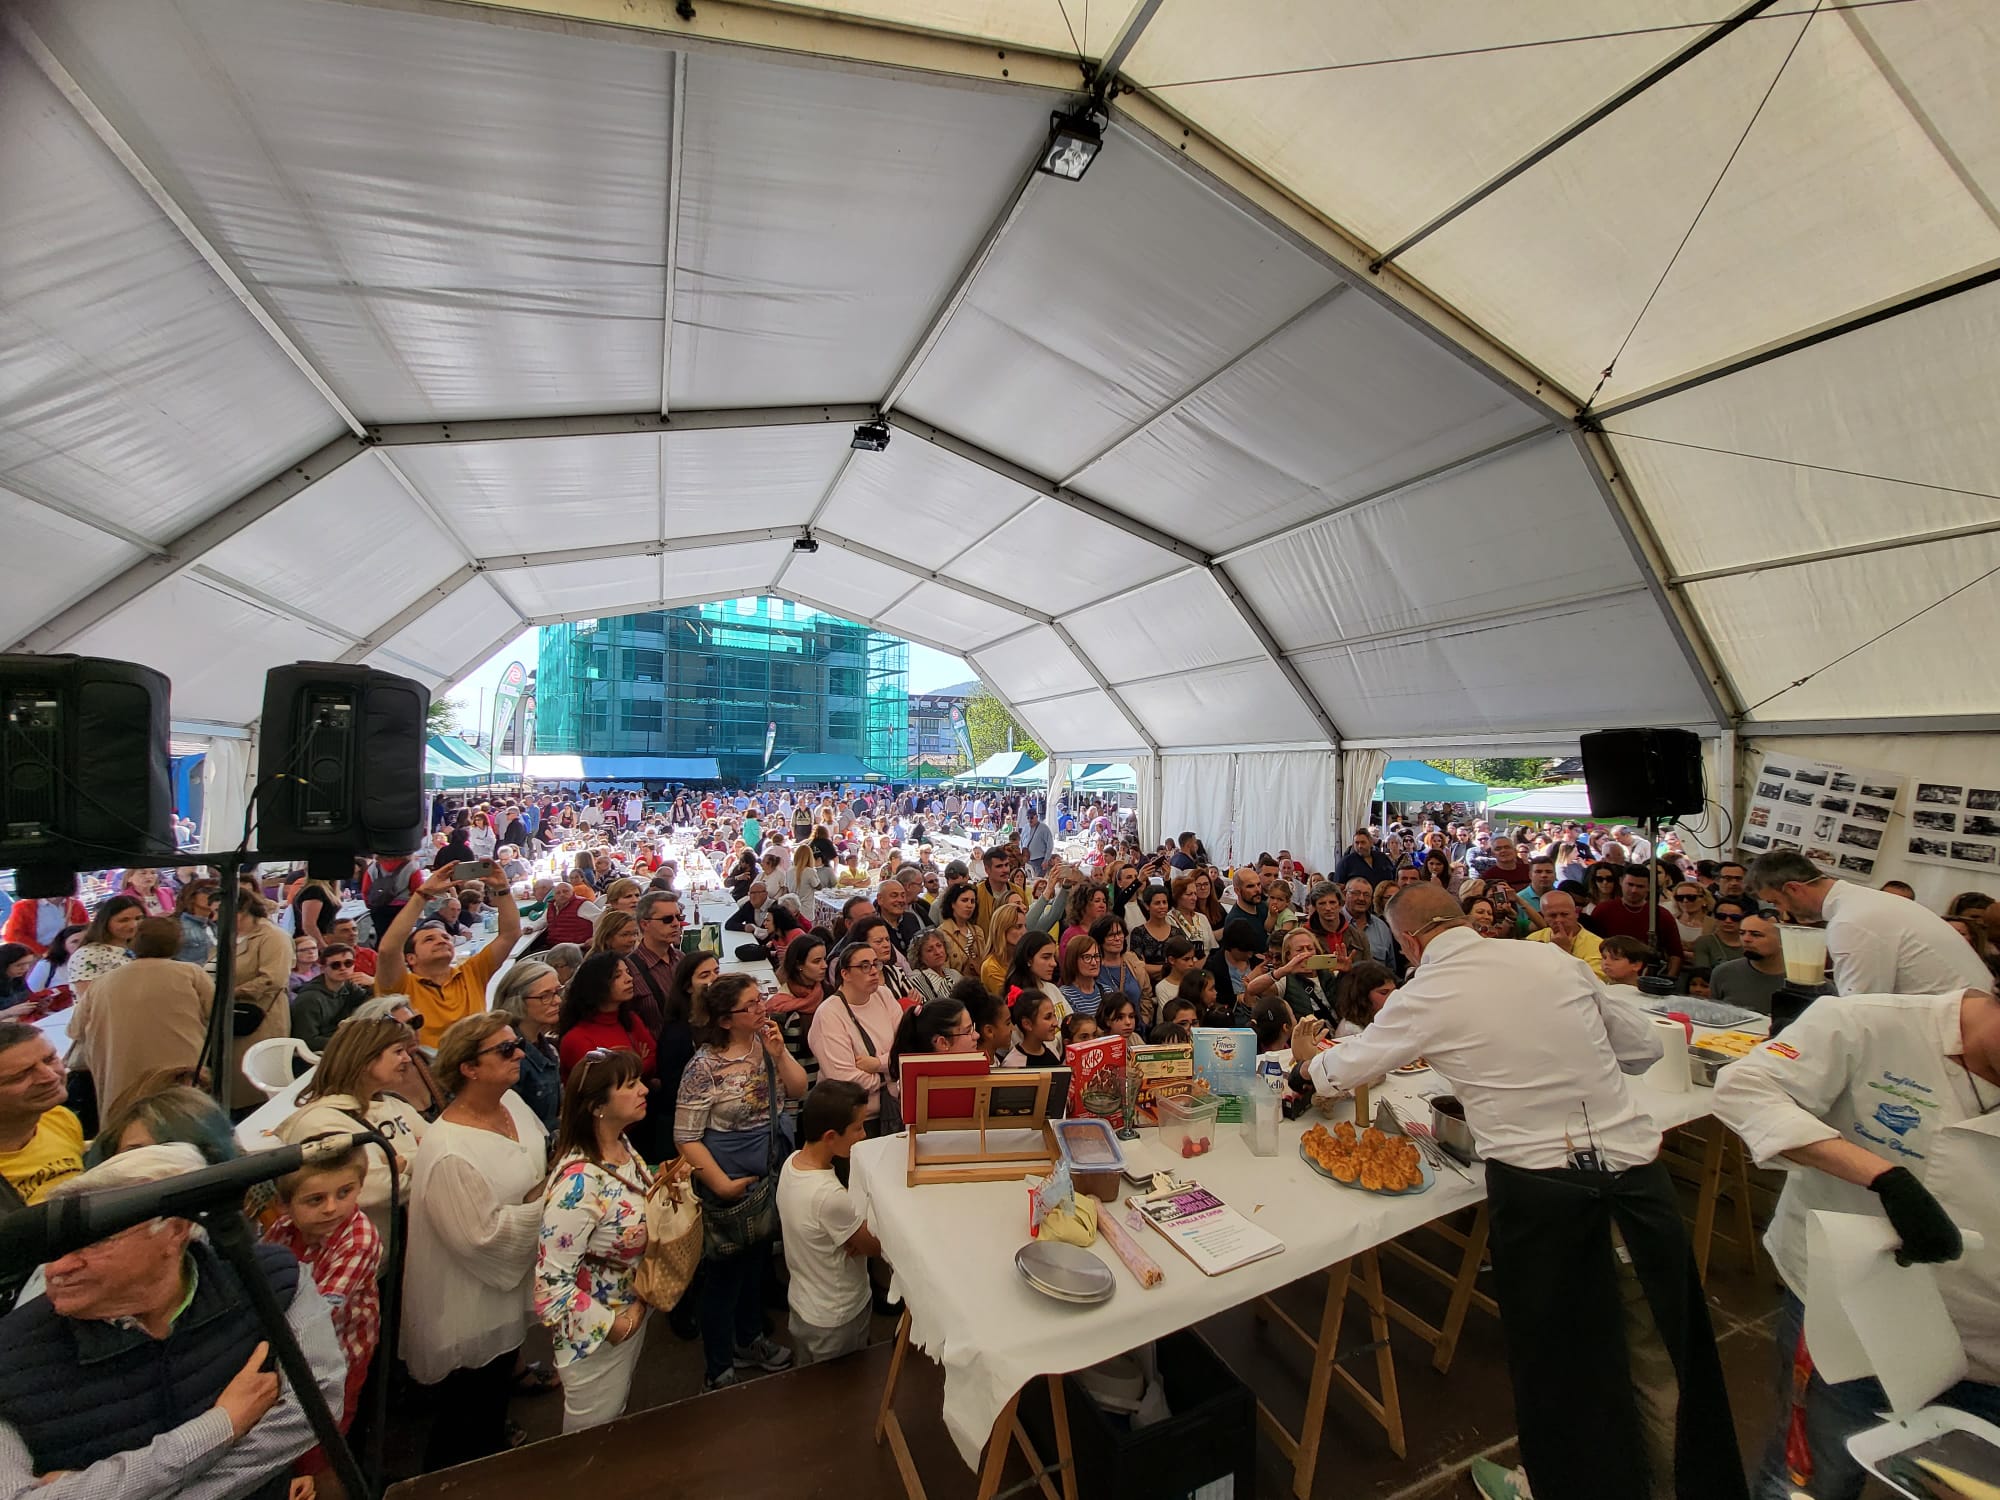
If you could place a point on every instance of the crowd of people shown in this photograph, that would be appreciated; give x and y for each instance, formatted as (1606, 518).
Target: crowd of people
(527, 1121)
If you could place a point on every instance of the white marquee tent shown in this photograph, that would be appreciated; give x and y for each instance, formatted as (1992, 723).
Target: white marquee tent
(1372, 392)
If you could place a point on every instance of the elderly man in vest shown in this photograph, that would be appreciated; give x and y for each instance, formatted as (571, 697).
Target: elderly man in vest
(141, 1372)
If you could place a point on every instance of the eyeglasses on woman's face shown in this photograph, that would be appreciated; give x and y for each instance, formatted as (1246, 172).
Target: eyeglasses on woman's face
(864, 965)
(512, 1047)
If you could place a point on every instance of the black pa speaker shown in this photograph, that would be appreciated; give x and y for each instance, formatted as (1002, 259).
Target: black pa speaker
(84, 768)
(340, 766)
(1644, 773)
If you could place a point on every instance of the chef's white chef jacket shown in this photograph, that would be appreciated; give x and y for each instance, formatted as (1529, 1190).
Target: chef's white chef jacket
(1874, 1069)
(1883, 945)
(1529, 1040)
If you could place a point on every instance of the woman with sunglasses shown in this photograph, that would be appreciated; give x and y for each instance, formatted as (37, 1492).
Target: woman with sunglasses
(475, 1221)
(1602, 887)
(723, 1123)
(1724, 939)
(531, 996)
(1691, 913)
(366, 1078)
(853, 1028)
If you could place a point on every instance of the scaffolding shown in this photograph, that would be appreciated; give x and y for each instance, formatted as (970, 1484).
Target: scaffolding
(711, 679)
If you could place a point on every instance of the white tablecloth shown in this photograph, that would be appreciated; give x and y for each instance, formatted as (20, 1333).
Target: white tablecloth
(952, 1248)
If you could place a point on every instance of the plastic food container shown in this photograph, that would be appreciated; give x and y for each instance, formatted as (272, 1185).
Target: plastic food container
(1188, 1124)
(1095, 1158)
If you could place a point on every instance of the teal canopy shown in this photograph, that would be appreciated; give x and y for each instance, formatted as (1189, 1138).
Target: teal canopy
(1000, 768)
(805, 766)
(1413, 781)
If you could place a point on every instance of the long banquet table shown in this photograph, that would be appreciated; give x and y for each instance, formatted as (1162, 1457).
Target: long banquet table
(952, 1246)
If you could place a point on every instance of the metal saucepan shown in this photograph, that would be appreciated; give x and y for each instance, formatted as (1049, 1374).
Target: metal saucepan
(1448, 1125)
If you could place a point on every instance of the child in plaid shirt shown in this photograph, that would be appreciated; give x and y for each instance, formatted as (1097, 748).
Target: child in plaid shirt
(323, 1225)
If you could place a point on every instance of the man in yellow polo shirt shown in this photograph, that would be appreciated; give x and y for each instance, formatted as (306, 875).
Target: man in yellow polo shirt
(41, 1143)
(1567, 932)
(414, 959)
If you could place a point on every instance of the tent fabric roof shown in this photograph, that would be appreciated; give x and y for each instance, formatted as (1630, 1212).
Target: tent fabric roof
(1328, 407)
(1569, 800)
(1413, 781)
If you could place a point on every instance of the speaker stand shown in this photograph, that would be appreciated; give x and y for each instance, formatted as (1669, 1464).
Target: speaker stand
(1653, 883)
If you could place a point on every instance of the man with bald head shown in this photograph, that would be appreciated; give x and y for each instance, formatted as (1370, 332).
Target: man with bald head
(1537, 1051)
(1567, 932)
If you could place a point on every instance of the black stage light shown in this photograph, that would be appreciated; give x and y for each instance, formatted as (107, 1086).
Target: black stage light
(871, 437)
(1074, 141)
(806, 542)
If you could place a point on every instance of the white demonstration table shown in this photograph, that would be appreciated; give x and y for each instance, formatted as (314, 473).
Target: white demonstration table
(944, 1241)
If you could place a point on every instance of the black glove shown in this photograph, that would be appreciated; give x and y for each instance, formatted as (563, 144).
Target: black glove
(1927, 1231)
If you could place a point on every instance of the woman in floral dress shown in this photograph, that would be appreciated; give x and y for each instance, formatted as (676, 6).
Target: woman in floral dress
(593, 1237)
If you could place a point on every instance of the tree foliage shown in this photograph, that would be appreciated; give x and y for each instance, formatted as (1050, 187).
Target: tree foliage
(987, 722)
(442, 718)
(1502, 771)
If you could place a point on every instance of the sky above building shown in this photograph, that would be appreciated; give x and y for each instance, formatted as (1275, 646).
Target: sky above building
(929, 671)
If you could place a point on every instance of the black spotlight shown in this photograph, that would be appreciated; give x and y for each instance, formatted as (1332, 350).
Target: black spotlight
(1074, 141)
(871, 437)
(805, 542)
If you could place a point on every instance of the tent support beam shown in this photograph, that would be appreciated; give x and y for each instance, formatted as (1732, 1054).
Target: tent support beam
(513, 561)
(1272, 649)
(272, 602)
(1753, 729)
(491, 648)
(409, 614)
(1658, 73)
(1010, 213)
(149, 182)
(189, 547)
(646, 606)
(1717, 689)
(1923, 297)
(609, 424)
(1135, 24)
(1834, 554)
(676, 131)
(811, 36)
(1104, 686)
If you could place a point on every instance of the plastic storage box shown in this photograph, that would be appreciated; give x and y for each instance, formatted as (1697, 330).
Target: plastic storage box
(1188, 1124)
(1211, 1434)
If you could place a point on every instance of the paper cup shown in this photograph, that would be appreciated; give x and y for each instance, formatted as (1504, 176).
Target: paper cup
(1805, 954)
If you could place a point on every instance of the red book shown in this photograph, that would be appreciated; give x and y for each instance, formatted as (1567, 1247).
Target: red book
(947, 1106)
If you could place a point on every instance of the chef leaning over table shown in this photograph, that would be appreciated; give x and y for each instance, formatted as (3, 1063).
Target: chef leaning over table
(1537, 1050)
(1881, 1105)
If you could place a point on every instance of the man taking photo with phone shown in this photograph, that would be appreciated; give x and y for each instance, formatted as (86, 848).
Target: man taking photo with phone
(417, 960)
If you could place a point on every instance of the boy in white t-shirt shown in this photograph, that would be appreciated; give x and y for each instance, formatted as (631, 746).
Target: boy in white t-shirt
(827, 1244)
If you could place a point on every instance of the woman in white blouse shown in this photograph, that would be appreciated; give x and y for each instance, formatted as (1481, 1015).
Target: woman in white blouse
(475, 1218)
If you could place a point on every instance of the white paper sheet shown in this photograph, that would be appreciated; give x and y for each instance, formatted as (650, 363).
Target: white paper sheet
(1866, 1315)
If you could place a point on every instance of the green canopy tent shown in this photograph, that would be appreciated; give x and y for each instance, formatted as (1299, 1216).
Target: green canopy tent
(823, 768)
(1413, 781)
(998, 769)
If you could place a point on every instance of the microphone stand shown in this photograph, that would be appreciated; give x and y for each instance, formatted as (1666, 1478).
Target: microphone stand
(230, 1233)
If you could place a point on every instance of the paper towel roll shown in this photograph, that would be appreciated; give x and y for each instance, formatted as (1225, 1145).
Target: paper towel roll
(1670, 1073)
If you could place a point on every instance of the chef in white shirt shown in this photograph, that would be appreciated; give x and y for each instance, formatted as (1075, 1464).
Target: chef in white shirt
(1882, 1105)
(1536, 1050)
(1879, 943)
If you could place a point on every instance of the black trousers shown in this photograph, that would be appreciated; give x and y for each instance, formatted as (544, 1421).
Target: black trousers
(1556, 1279)
(470, 1420)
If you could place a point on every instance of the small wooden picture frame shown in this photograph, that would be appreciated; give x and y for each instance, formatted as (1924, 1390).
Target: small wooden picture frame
(1014, 1101)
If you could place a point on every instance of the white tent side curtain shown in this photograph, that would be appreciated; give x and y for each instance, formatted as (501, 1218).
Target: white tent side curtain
(1251, 802)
